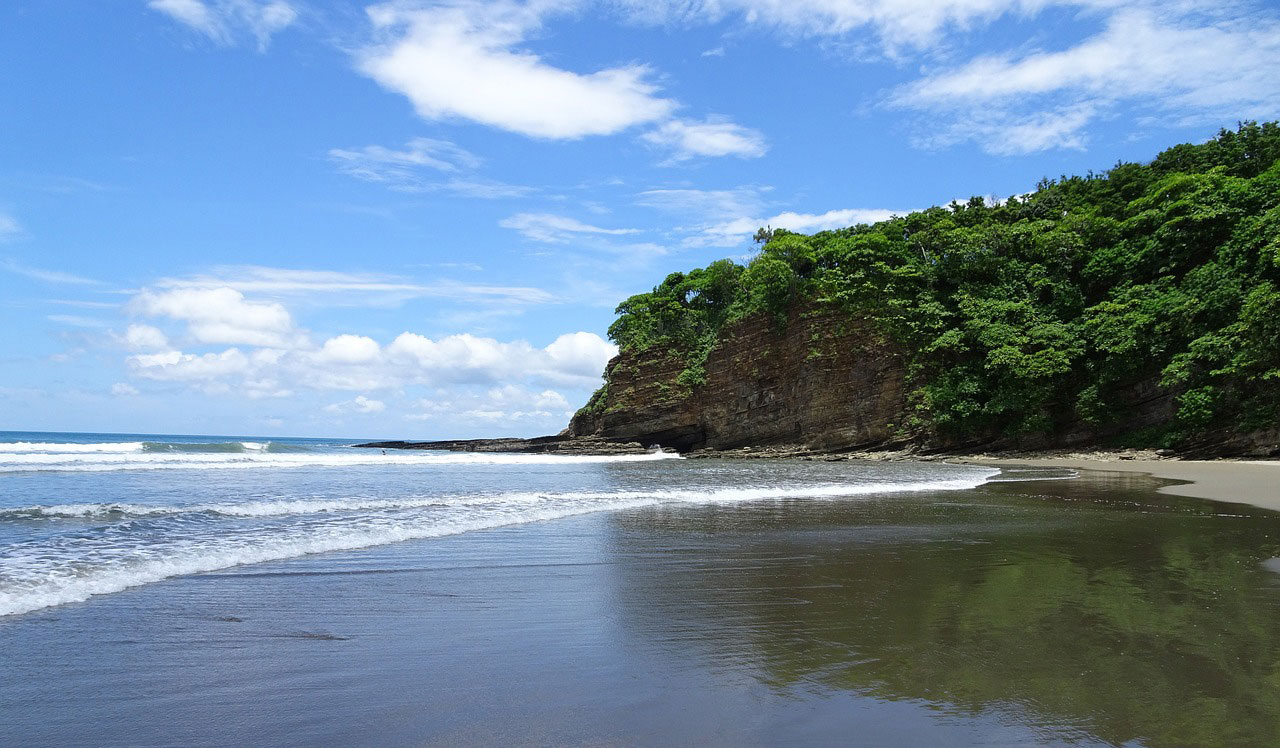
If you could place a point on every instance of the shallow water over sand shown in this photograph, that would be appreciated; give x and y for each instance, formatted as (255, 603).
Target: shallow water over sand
(1081, 612)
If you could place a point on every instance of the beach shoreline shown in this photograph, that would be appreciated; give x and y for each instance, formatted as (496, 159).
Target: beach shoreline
(1243, 481)
(1253, 482)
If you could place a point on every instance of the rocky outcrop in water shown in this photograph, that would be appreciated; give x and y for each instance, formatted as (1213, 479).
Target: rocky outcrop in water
(559, 444)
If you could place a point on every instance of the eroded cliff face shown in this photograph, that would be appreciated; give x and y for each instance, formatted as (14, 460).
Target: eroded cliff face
(825, 382)
(821, 381)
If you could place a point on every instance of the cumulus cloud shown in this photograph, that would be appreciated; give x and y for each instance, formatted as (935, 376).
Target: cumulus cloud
(686, 139)
(461, 60)
(144, 337)
(220, 315)
(224, 20)
(550, 228)
(355, 362)
(348, 349)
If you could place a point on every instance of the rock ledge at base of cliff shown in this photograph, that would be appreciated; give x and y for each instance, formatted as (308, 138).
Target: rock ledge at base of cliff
(559, 444)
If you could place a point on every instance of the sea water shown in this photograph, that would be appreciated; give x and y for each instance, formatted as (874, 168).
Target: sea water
(83, 515)
(210, 591)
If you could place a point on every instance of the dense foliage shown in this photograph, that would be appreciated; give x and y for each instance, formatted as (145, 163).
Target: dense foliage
(1042, 309)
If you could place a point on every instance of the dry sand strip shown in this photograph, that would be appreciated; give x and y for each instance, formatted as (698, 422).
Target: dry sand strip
(1239, 481)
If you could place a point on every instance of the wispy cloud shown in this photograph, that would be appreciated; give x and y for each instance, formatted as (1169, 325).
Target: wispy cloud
(895, 25)
(353, 288)
(9, 227)
(421, 166)
(1186, 62)
(686, 139)
(738, 231)
(360, 404)
(377, 163)
(1166, 62)
(706, 205)
(47, 276)
(74, 320)
(550, 228)
(223, 21)
(728, 218)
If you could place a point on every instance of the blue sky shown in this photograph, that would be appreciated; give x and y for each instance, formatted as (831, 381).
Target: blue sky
(414, 219)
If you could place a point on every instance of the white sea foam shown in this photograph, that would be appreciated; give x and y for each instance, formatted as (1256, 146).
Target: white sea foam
(282, 508)
(132, 544)
(65, 448)
(108, 460)
(32, 583)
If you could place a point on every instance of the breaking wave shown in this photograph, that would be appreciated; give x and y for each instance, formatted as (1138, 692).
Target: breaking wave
(118, 545)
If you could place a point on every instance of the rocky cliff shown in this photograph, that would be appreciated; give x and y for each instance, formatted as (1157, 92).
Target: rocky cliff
(824, 382)
(821, 381)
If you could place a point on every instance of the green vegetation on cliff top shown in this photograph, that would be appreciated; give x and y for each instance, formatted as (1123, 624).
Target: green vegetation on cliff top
(1044, 309)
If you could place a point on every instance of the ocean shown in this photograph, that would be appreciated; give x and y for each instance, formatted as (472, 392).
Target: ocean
(194, 590)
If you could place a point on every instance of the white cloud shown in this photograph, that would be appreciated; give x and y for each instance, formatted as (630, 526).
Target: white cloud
(223, 20)
(354, 362)
(687, 139)
(76, 320)
(895, 23)
(9, 227)
(210, 369)
(193, 13)
(47, 276)
(735, 232)
(360, 404)
(416, 169)
(377, 163)
(547, 227)
(705, 205)
(507, 404)
(349, 349)
(461, 61)
(580, 354)
(353, 289)
(726, 218)
(220, 315)
(144, 337)
(123, 389)
(1167, 62)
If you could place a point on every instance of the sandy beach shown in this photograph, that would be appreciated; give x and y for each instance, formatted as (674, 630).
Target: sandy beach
(1254, 482)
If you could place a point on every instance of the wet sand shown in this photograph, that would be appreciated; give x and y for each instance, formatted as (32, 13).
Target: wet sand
(1085, 612)
(1254, 482)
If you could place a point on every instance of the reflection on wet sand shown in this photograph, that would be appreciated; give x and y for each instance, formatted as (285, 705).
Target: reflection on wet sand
(1089, 608)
